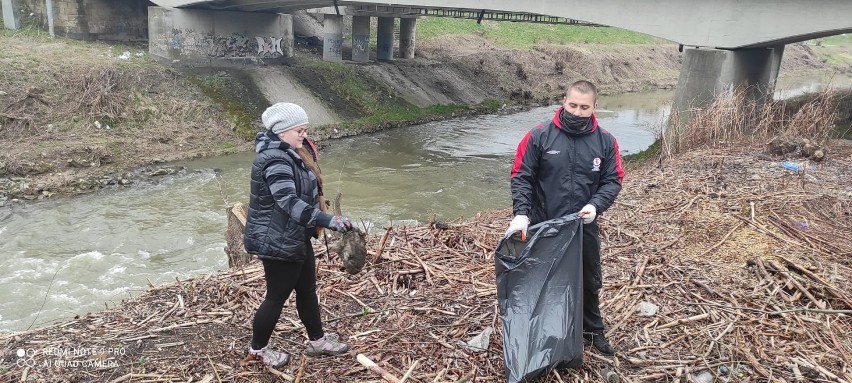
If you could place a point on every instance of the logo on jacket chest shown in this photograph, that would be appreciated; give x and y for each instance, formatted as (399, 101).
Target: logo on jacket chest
(596, 164)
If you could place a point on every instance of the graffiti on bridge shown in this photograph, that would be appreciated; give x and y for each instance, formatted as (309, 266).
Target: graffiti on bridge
(192, 43)
(360, 43)
(269, 46)
(333, 44)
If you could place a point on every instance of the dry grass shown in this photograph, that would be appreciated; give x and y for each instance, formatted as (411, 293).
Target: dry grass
(103, 92)
(64, 102)
(733, 119)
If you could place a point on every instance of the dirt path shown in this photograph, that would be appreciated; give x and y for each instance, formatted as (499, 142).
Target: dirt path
(279, 86)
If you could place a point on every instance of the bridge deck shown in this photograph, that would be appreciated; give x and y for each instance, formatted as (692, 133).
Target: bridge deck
(728, 24)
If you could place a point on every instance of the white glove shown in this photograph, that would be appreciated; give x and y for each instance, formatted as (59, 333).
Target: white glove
(588, 213)
(519, 223)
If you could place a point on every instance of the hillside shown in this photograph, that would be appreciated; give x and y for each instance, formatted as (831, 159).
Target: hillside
(79, 116)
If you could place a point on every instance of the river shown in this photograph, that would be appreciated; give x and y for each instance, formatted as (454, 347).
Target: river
(71, 256)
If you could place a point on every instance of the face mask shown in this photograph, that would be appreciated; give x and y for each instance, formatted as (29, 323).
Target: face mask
(570, 121)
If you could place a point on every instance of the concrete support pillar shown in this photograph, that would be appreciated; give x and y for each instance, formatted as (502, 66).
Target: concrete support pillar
(777, 55)
(49, 12)
(361, 38)
(235, 37)
(700, 78)
(384, 38)
(332, 43)
(288, 39)
(10, 19)
(750, 72)
(407, 32)
(707, 73)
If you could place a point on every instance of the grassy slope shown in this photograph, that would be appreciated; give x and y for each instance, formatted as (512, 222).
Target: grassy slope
(526, 35)
(844, 40)
(834, 50)
(365, 103)
(66, 72)
(240, 100)
(59, 95)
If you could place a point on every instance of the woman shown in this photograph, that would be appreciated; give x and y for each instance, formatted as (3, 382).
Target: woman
(283, 214)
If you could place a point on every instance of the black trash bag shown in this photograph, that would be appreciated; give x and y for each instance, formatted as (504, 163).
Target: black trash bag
(539, 293)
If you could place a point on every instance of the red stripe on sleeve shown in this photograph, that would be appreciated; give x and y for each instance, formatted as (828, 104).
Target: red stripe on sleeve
(619, 165)
(519, 154)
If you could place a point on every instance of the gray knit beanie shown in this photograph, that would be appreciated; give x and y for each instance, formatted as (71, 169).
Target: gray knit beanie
(284, 116)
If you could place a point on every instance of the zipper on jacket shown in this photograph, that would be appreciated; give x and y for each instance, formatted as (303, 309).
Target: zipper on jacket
(573, 159)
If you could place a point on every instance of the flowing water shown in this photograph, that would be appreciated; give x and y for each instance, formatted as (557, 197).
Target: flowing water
(70, 256)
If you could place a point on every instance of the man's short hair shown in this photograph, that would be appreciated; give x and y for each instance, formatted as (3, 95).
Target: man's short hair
(584, 87)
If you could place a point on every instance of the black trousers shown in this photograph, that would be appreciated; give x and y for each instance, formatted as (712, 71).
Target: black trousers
(281, 279)
(592, 282)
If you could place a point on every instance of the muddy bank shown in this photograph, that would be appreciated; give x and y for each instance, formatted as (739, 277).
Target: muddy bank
(540, 75)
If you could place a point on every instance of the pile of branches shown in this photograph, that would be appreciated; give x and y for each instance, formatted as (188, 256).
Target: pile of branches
(718, 266)
(100, 93)
(103, 92)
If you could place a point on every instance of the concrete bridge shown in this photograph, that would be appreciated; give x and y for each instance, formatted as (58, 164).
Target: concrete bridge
(726, 24)
(728, 43)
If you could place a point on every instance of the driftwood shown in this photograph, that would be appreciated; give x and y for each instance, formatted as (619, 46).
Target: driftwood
(747, 310)
(237, 256)
(374, 368)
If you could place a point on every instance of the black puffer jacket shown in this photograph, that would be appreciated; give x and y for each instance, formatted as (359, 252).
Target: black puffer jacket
(557, 171)
(282, 204)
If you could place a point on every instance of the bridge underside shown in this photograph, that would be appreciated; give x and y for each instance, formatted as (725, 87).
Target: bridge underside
(246, 5)
(724, 24)
(799, 38)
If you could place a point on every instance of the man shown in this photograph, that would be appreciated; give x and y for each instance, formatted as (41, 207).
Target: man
(567, 166)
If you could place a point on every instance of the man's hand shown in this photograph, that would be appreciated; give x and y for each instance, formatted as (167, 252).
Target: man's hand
(519, 223)
(588, 213)
(340, 223)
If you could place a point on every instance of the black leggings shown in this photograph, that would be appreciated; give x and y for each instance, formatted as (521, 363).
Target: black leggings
(281, 279)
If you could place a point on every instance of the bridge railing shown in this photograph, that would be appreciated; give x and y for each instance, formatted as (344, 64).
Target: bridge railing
(502, 16)
(472, 14)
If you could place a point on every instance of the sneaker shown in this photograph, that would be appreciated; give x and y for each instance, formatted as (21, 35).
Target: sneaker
(598, 340)
(269, 356)
(330, 344)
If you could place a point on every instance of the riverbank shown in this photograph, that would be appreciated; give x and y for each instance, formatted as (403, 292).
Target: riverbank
(737, 255)
(77, 117)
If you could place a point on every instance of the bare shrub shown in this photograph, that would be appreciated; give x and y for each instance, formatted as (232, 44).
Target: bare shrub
(101, 92)
(104, 92)
(815, 120)
(17, 117)
(734, 119)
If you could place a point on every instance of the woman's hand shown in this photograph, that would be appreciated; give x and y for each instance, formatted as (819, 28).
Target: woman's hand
(340, 223)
